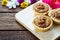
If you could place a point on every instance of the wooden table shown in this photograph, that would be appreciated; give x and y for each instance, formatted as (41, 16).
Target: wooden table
(8, 23)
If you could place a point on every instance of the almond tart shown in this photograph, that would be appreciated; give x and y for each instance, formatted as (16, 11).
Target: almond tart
(55, 15)
(41, 8)
(42, 23)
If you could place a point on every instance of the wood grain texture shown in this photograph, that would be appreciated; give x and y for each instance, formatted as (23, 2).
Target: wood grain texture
(8, 22)
(16, 35)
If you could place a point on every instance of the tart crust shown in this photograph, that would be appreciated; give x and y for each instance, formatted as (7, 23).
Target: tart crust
(56, 21)
(39, 29)
(44, 13)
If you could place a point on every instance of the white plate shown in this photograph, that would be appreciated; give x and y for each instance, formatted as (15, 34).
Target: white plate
(25, 18)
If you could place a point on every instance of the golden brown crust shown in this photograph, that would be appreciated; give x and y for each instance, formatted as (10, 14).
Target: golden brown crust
(55, 15)
(40, 8)
(42, 22)
(38, 29)
(43, 10)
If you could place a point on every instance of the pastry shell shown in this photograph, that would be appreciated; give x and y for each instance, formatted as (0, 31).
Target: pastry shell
(39, 29)
(56, 21)
(44, 13)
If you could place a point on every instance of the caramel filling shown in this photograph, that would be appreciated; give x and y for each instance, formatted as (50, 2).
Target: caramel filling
(41, 8)
(42, 22)
(57, 15)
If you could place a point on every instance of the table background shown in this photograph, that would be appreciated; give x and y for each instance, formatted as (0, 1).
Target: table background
(8, 23)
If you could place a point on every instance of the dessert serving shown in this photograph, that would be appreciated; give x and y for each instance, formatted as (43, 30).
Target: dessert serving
(42, 23)
(55, 15)
(41, 8)
(35, 19)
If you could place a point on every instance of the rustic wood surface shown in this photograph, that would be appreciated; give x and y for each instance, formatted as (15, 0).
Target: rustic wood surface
(16, 35)
(8, 23)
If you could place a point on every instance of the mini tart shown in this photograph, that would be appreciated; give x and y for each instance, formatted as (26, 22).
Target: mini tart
(42, 23)
(41, 8)
(55, 15)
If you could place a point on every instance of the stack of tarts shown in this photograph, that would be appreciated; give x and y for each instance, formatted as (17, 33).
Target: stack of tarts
(44, 16)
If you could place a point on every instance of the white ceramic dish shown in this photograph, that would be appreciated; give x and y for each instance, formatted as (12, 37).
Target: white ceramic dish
(25, 18)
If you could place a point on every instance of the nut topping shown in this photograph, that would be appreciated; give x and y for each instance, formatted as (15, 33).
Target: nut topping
(42, 22)
(56, 15)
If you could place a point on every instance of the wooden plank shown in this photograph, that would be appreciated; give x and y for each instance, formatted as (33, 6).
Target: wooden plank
(5, 9)
(17, 35)
(8, 22)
